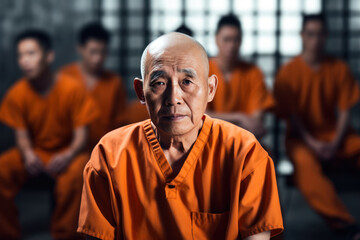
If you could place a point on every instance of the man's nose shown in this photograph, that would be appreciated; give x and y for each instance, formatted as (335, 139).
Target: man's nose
(173, 94)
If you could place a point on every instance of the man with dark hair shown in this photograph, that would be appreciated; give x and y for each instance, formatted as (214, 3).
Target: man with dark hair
(242, 96)
(49, 115)
(314, 94)
(105, 87)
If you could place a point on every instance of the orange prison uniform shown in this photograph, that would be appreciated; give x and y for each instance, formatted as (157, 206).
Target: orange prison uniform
(245, 92)
(314, 96)
(226, 187)
(109, 94)
(50, 121)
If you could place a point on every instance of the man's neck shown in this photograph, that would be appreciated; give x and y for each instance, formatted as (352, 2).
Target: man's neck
(43, 83)
(181, 143)
(227, 64)
(177, 148)
(313, 59)
(88, 72)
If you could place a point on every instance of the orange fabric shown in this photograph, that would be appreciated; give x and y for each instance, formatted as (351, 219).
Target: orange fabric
(316, 187)
(50, 121)
(226, 187)
(314, 96)
(245, 92)
(136, 112)
(67, 191)
(109, 94)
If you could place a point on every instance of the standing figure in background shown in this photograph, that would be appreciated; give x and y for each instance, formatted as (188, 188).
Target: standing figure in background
(49, 115)
(314, 94)
(105, 87)
(241, 97)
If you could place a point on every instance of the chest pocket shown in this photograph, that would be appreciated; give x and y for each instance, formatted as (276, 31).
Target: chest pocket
(209, 225)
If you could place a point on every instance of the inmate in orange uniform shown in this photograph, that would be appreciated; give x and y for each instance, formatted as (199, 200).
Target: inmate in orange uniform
(50, 121)
(245, 92)
(314, 96)
(110, 96)
(225, 189)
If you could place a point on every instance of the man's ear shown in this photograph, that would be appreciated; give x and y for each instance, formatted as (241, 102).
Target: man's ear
(139, 89)
(212, 85)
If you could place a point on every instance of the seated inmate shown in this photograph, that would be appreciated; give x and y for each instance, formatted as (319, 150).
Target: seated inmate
(180, 174)
(49, 116)
(105, 87)
(241, 96)
(314, 94)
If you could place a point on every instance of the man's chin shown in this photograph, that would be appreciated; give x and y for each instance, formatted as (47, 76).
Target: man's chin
(173, 129)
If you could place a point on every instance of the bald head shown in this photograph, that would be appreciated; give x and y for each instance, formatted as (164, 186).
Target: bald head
(173, 44)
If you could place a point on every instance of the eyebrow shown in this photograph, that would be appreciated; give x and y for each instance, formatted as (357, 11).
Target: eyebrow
(189, 72)
(157, 74)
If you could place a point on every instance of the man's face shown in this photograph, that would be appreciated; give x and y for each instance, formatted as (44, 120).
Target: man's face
(313, 36)
(93, 54)
(176, 89)
(32, 59)
(228, 41)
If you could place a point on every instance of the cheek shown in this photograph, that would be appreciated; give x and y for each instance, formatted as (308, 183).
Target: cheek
(153, 101)
(197, 100)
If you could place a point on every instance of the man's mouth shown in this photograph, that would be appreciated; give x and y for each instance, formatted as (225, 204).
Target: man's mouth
(173, 117)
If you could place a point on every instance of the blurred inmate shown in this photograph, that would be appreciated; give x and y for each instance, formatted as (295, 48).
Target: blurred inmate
(49, 116)
(180, 174)
(105, 87)
(315, 93)
(241, 97)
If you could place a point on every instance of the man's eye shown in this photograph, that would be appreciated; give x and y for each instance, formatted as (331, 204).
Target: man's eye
(187, 82)
(159, 83)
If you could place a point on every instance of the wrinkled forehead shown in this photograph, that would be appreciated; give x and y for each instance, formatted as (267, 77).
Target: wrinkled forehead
(177, 59)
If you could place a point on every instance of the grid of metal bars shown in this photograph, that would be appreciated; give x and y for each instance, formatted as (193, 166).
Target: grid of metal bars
(155, 17)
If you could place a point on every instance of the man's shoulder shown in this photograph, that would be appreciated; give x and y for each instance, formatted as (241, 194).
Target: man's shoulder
(123, 136)
(18, 89)
(229, 132)
(335, 63)
(67, 85)
(69, 69)
(291, 64)
(240, 143)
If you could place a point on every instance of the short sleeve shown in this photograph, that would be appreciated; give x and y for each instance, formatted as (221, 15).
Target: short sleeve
(260, 98)
(84, 110)
(259, 207)
(11, 111)
(96, 216)
(349, 89)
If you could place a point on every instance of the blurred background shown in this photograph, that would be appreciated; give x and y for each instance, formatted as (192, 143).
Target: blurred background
(270, 38)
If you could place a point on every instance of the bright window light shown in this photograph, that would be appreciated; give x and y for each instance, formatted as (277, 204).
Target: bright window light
(312, 6)
(243, 6)
(266, 23)
(265, 44)
(266, 5)
(290, 23)
(219, 6)
(247, 46)
(290, 44)
(291, 5)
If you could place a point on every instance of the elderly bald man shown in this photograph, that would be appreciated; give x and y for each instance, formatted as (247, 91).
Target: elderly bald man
(180, 174)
